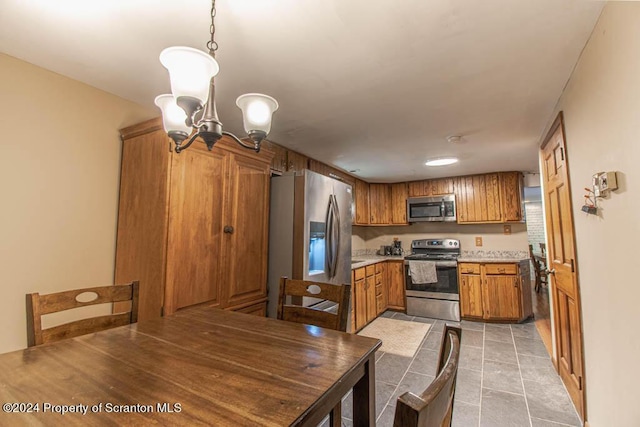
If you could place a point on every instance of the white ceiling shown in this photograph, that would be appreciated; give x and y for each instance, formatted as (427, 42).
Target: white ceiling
(362, 84)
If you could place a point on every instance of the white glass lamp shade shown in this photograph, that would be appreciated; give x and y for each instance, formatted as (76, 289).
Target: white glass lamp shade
(257, 110)
(173, 117)
(190, 71)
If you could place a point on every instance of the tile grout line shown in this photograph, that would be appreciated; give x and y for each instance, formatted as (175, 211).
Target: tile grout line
(408, 367)
(526, 401)
(484, 328)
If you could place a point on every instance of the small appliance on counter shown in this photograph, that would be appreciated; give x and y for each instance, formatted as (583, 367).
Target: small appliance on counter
(385, 250)
(396, 249)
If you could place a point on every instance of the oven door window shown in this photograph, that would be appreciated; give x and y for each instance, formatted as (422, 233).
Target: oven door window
(425, 210)
(447, 282)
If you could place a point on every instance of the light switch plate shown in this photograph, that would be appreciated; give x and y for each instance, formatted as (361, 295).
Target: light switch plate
(478, 241)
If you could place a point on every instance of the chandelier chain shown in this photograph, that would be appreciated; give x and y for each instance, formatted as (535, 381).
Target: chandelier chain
(212, 45)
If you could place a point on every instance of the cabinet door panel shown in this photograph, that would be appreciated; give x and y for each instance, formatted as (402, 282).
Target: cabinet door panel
(396, 284)
(471, 296)
(195, 243)
(360, 302)
(502, 297)
(362, 203)
(416, 188)
(379, 203)
(478, 198)
(399, 203)
(512, 188)
(246, 243)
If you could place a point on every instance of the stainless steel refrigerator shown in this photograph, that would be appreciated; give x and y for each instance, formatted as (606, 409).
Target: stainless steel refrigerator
(309, 232)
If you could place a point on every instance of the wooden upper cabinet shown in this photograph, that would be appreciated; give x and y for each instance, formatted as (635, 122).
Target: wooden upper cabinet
(431, 187)
(361, 203)
(279, 162)
(379, 203)
(416, 188)
(296, 161)
(331, 172)
(399, 196)
(512, 186)
(438, 187)
(478, 199)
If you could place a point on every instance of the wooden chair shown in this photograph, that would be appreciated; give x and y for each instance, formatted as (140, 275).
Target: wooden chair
(539, 270)
(39, 305)
(302, 288)
(434, 407)
(543, 248)
(296, 313)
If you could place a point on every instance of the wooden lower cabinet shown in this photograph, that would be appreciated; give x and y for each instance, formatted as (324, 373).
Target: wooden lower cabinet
(395, 277)
(471, 296)
(370, 292)
(495, 291)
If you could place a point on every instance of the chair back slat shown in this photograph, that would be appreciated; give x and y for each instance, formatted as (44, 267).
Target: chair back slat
(39, 305)
(60, 301)
(85, 326)
(339, 294)
(434, 407)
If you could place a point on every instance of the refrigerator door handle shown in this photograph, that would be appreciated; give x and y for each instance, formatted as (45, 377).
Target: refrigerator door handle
(333, 237)
(335, 229)
(328, 248)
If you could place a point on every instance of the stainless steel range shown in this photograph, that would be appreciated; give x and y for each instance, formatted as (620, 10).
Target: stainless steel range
(433, 293)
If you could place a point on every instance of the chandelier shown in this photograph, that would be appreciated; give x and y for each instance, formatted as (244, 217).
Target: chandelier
(191, 107)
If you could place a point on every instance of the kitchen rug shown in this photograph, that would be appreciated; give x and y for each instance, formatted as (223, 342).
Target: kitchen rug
(398, 336)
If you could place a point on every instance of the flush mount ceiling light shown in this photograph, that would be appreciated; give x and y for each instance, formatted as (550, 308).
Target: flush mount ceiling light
(454, 139)
(191, 107)
(442, 161)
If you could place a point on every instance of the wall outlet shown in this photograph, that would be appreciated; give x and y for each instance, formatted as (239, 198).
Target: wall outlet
(478, 241)
(507, 229)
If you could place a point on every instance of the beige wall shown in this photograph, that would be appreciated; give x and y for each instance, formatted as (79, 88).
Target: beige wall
(601, 105)
(493, 237)
(59, 171)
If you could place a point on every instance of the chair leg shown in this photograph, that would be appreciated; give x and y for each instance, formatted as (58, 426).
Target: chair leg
(335, 418)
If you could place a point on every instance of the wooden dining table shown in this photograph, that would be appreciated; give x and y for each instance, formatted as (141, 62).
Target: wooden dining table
(200, 366)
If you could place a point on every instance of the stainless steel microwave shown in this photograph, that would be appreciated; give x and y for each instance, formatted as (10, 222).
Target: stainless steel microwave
(439, 208)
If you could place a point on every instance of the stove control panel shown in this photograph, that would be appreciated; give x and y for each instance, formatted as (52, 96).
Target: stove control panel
(436, 244)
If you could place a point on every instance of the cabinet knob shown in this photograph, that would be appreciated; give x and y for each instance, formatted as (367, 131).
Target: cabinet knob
(228, 229)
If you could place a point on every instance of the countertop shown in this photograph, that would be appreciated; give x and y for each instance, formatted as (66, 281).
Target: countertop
(365, 260)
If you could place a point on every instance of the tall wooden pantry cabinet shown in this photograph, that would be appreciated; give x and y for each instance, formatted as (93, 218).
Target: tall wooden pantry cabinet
(192, 227)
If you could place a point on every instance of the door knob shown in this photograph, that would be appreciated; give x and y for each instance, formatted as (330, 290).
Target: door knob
(552, 271)
(228, 229)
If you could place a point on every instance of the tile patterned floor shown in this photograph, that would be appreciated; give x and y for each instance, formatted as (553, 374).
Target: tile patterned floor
(505, 378)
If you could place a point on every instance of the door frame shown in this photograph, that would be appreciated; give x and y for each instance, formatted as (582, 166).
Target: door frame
(559, 123)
